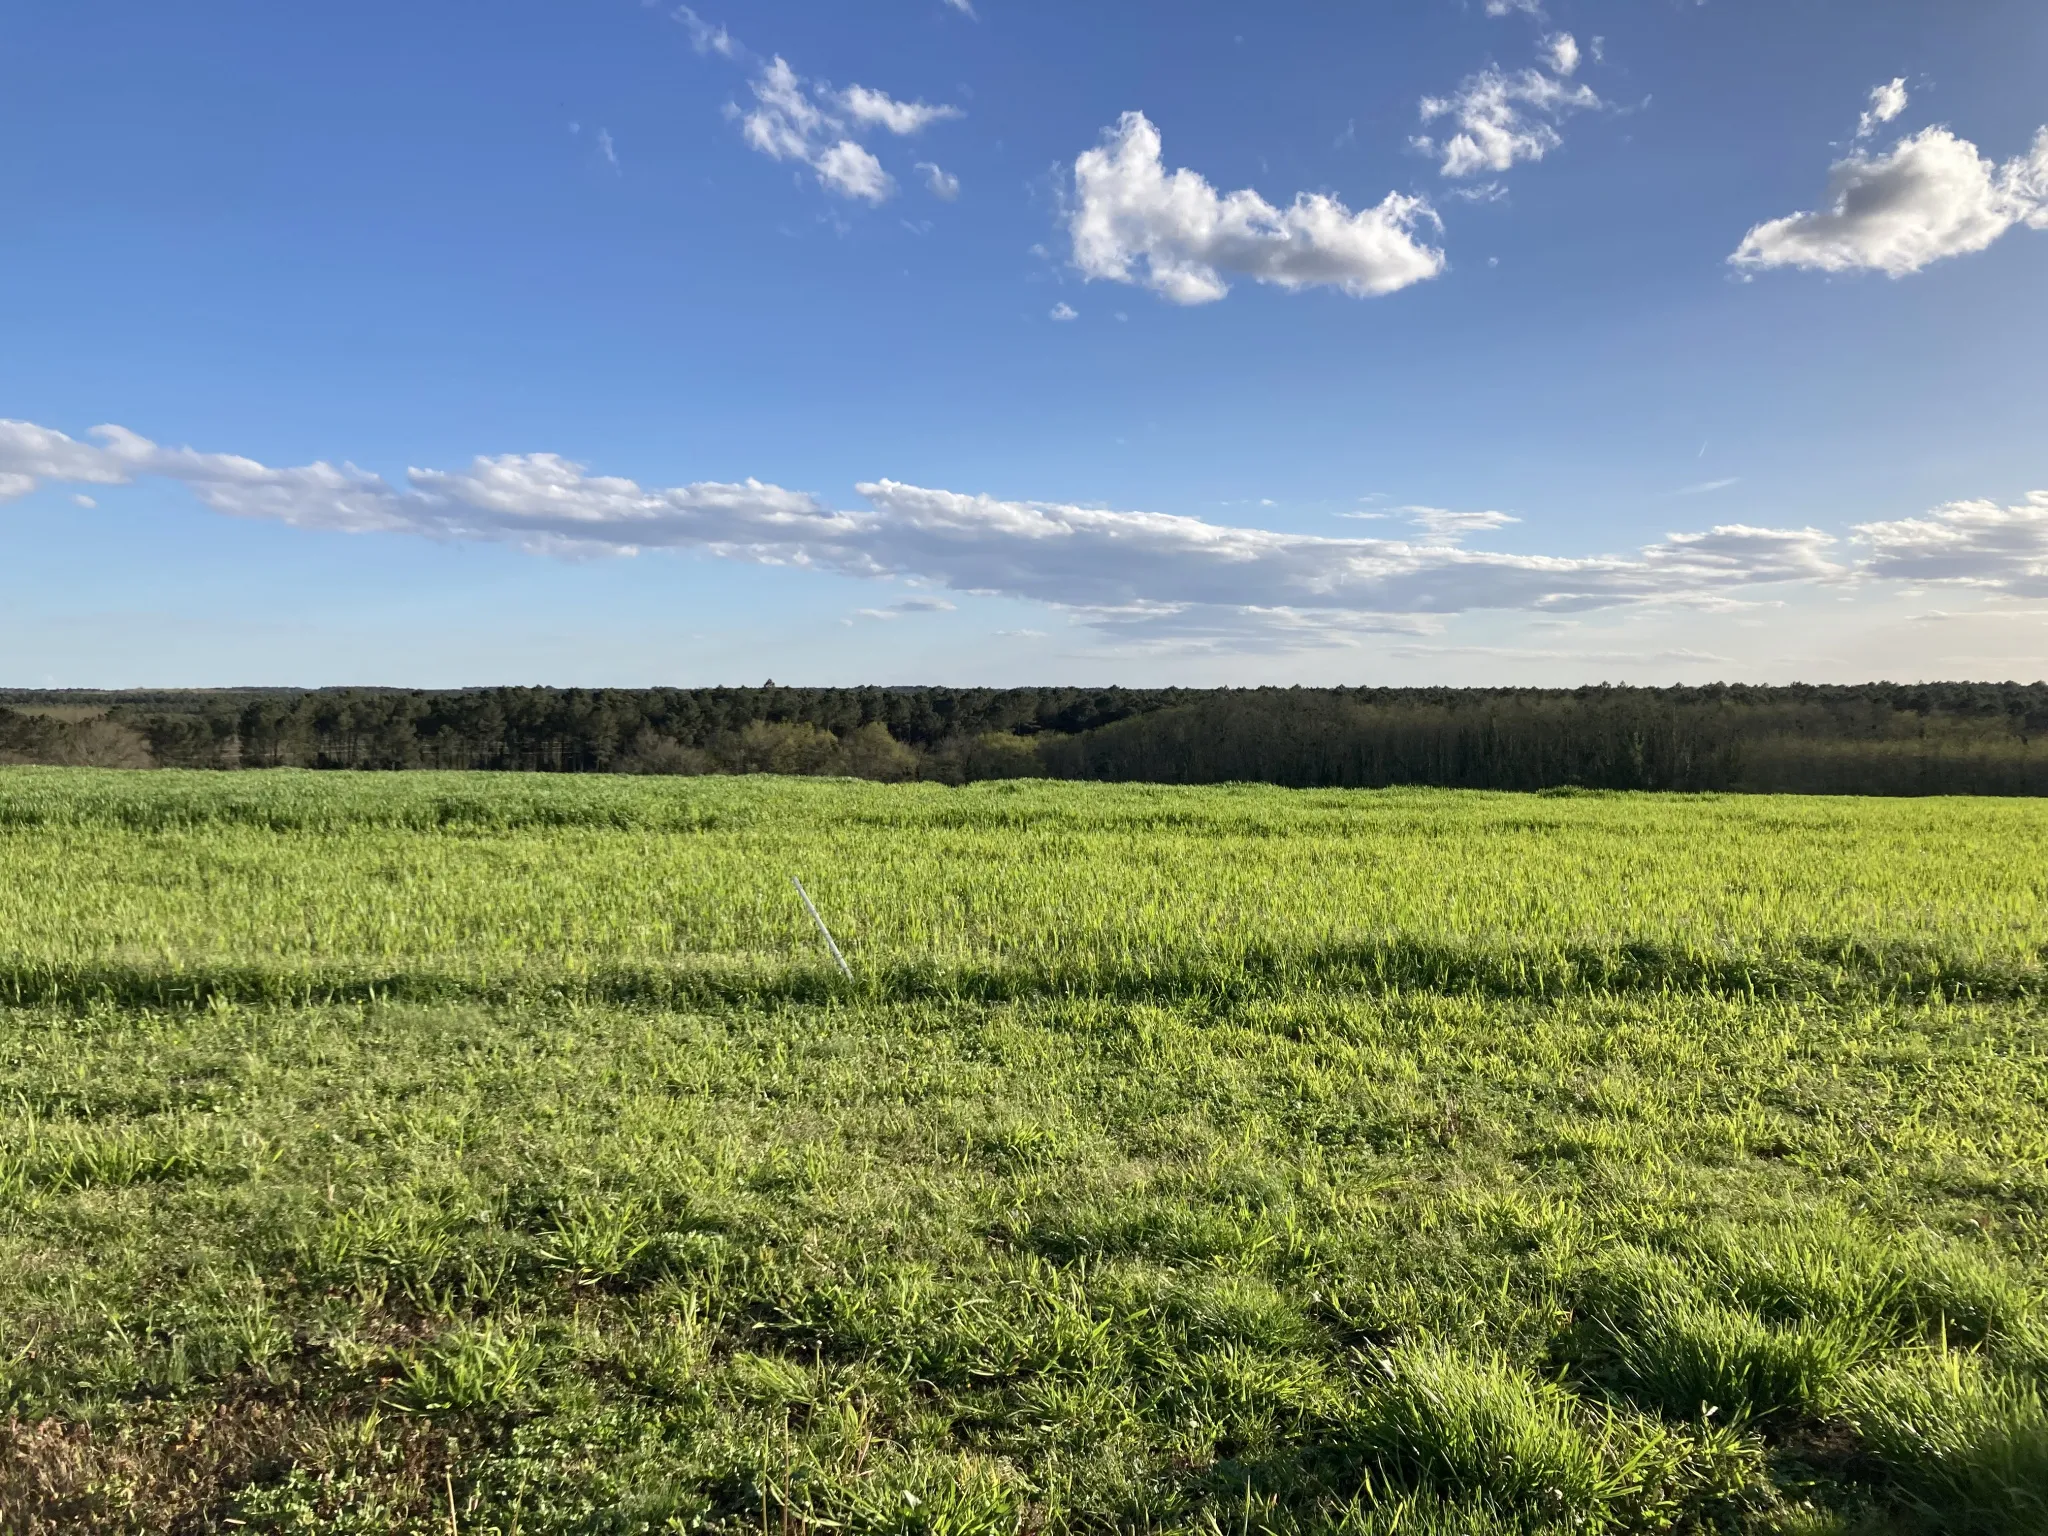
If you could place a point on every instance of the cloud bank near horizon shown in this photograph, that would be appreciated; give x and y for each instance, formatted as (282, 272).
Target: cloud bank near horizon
(1136, 575)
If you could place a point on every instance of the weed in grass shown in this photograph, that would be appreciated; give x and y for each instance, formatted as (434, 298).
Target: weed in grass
(479, 1367)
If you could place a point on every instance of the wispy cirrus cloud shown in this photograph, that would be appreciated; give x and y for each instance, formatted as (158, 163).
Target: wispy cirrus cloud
(1133, 221)
(788, 123)
(1441, 523)
(705, 37)
(878, 109)
(811, 123)
(1498, 118)
(941, 184)
(908, 605)
(1141, 576)
(1887, 101)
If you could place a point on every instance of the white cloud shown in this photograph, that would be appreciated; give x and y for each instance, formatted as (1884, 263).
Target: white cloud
(1932, 196)
(1939, 616)
(908, 605)
(607, 148)
(964, 7)
(1560, 51)
(1509, 7)
(1183, 235)
(792, 121)
(1064, 311)
(1735, 553)
(1973, 543)
(1887, 101)
(1442, 524)
(29, 453)
(706, 38)
(1137, 568)
(786, 121)
(1706, 487)
(852, 172)
(1500, 118)
(937, 182)
(879, 109)
(1527, 653)
(2025, 178)
(1143, 576)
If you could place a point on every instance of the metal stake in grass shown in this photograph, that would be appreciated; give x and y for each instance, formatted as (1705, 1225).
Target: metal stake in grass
(811, 907)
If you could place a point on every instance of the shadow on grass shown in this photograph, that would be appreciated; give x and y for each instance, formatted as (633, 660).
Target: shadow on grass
(1846, 971)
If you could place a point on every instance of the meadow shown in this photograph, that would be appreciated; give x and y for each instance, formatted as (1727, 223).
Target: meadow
(479, 1153)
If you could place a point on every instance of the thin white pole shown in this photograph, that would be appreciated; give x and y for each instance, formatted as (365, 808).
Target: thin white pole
(813, 910)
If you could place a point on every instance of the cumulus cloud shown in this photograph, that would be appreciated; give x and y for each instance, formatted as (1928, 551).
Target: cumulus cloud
(785, 121)
(1933, 195)
(1064, 311)
(1560, 51)
(1132, 222)
(1499, 117)
(1887, 101)
(1509, 7)
(1970, 543)
(792, 119)
(879, 109)
(1141, 576)
(29, 453)
(939, 183)
(852, 172)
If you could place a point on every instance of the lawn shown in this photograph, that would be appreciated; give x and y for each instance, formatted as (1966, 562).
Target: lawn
(430, 1152)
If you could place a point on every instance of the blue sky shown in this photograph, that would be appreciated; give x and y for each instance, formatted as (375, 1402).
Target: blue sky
(1436, 341)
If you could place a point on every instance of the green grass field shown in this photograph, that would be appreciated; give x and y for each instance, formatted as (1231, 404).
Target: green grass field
(448, 1152)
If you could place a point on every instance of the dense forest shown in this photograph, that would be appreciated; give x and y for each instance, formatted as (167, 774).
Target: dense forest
(1879, 738)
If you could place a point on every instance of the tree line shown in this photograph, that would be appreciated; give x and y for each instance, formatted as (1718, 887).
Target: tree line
(1878, 738)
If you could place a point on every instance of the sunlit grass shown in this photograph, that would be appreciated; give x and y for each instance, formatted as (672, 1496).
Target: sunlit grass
(375, 1155)
(420, 882)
